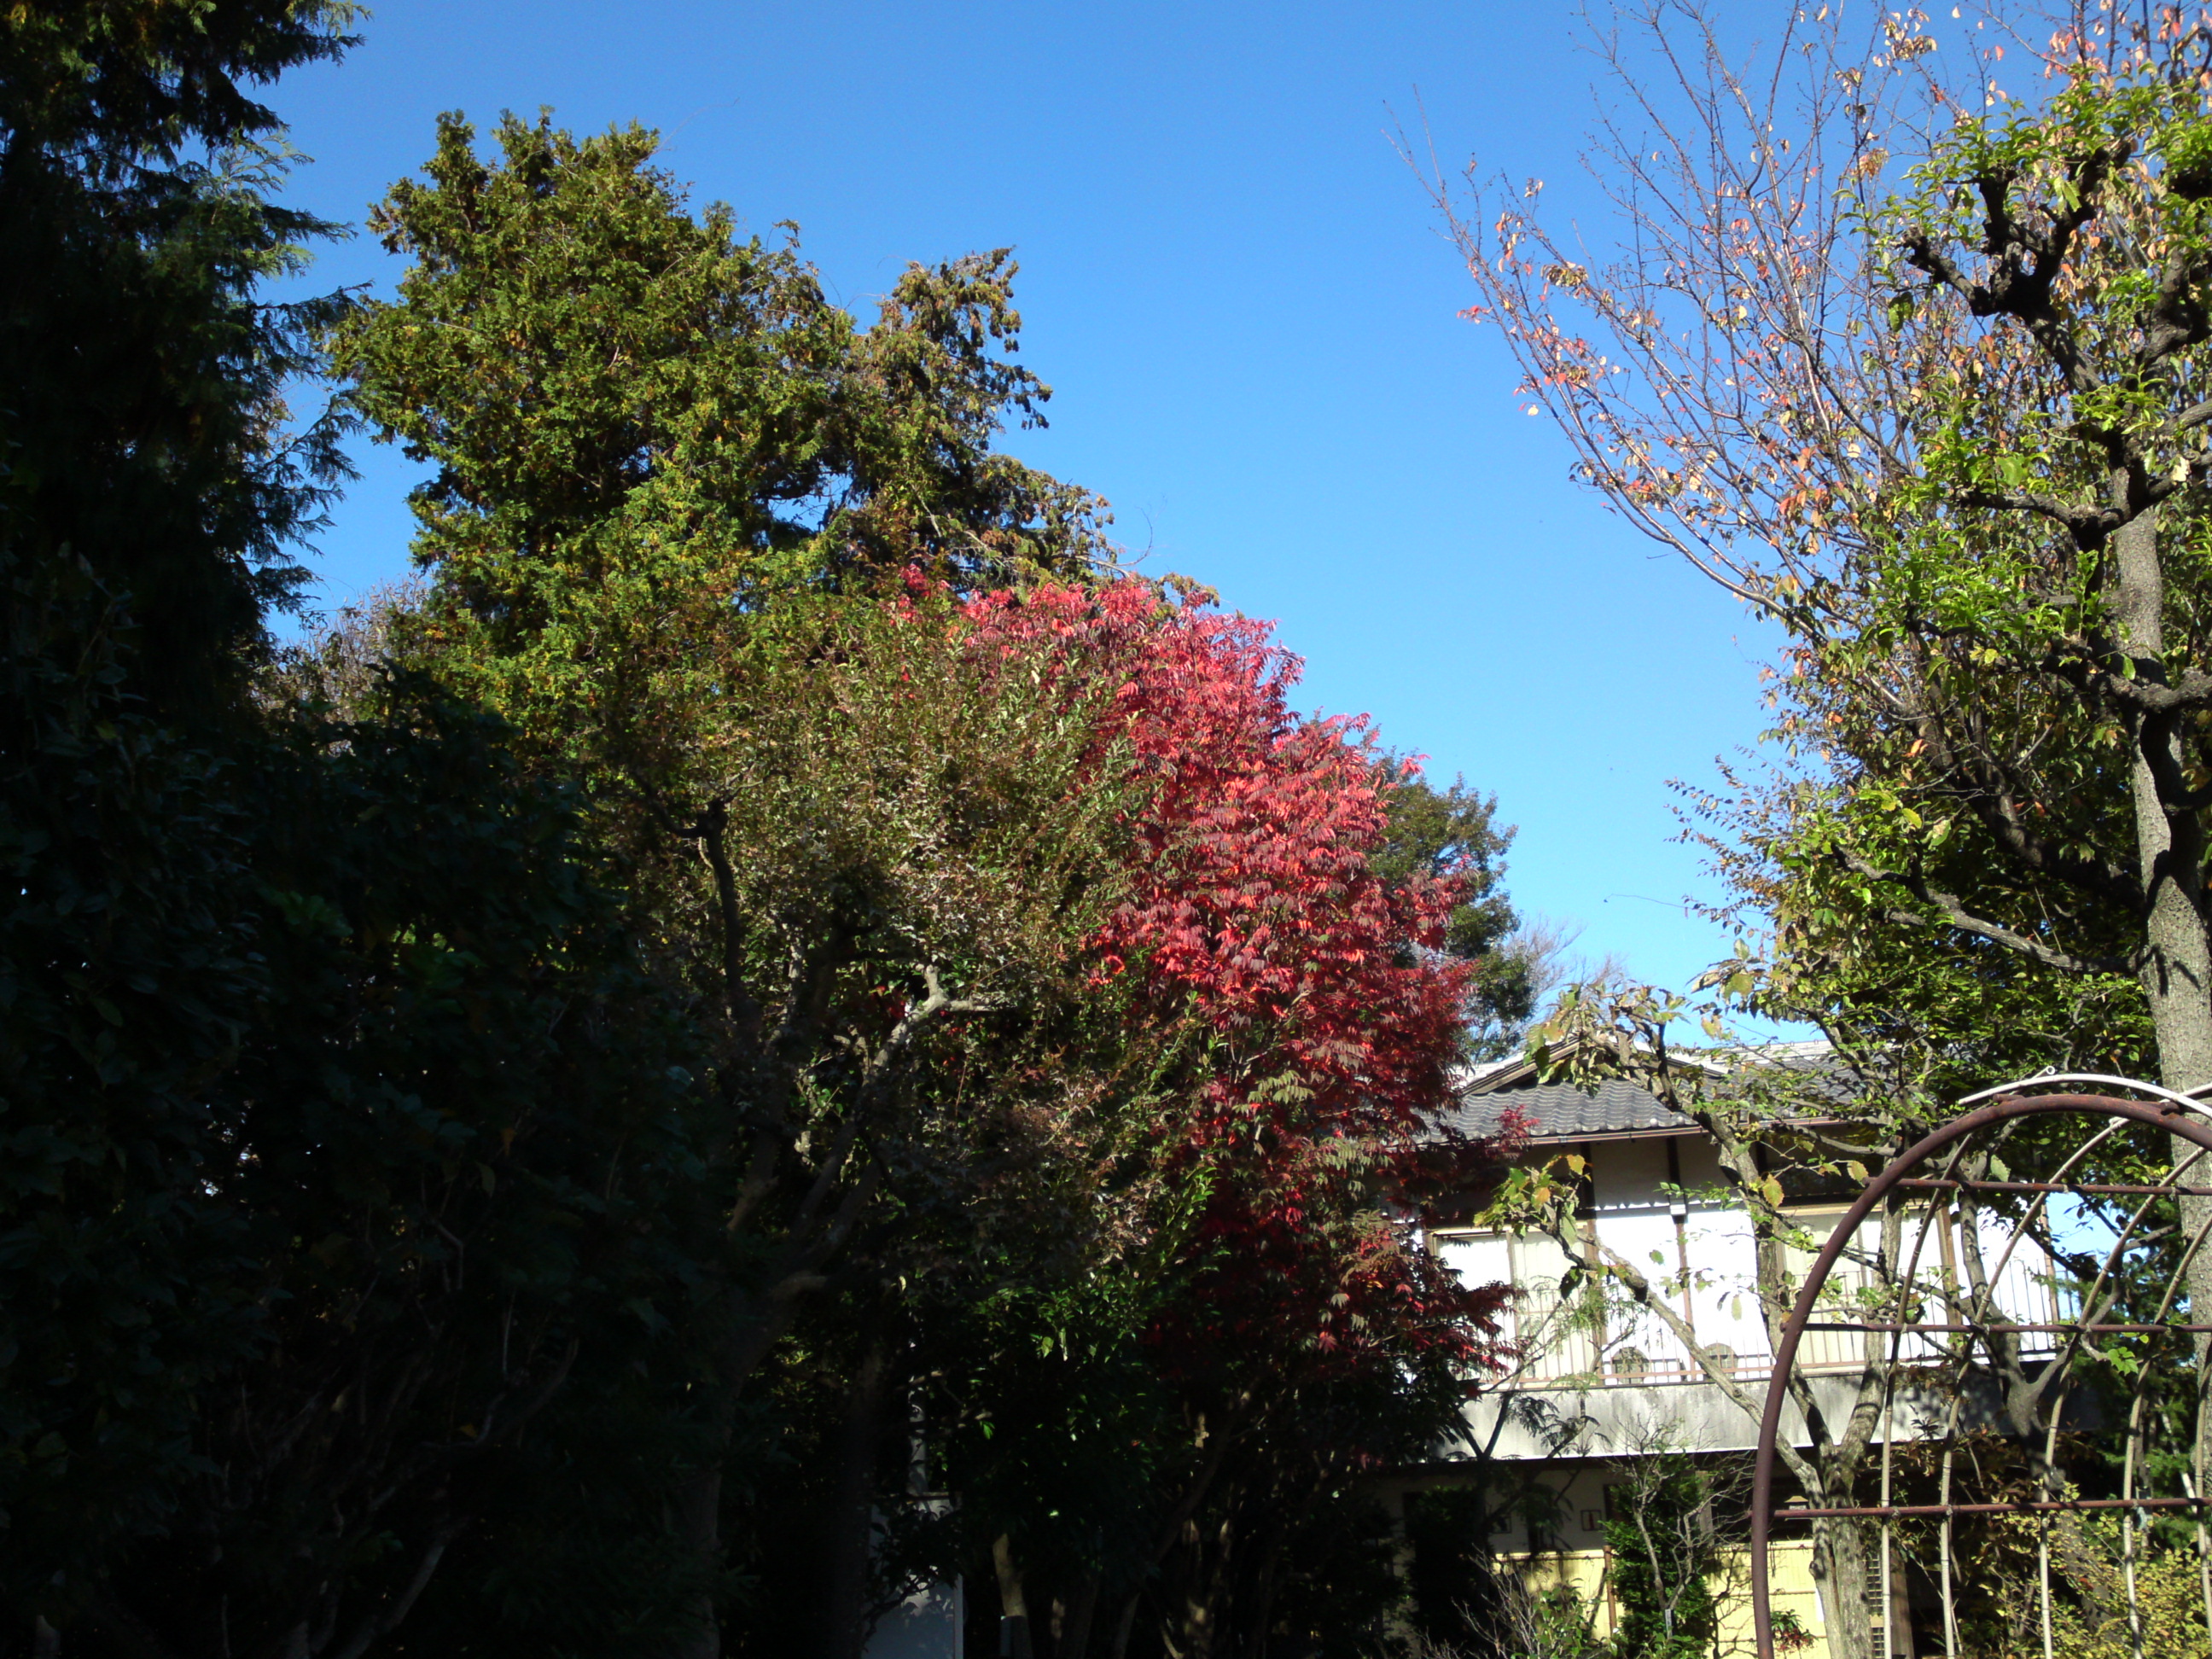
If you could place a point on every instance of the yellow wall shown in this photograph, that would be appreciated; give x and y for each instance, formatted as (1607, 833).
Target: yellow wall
(1791, 1565)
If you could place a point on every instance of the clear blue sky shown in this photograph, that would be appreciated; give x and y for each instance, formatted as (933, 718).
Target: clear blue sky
(1240, 296)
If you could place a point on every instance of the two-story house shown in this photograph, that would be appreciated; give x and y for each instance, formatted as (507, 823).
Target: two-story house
(1598, 1382)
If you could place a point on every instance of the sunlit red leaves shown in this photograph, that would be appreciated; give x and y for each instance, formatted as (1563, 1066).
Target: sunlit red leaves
(1332, 1020)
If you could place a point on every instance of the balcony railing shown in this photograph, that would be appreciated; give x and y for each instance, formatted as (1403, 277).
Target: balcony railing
(1613, 1345)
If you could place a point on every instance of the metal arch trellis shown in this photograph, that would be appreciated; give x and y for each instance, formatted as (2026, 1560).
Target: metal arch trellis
(1941, 1171)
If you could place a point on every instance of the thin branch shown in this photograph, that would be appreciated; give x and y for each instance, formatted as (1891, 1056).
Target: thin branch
(383, 1623)
(2089, 525)
(1641, 1291)
(1955, 914)
(2192, 692)
(711, 830)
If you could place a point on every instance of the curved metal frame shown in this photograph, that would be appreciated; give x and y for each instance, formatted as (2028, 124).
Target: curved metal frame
(2176, 1113)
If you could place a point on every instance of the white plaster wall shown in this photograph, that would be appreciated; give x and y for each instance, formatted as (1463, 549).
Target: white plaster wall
(1704, 1264)
(1633, 1213)
(1478, 1259)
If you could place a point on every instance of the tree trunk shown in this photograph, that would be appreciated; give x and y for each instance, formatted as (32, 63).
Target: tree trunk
(851, 1510)
(1839, 1572)
(756, 1323)
(1208, 1585)
(1073, 1639)
(1013, 1607)
(698, 1523)
(2177, 968)
(1125, 1625)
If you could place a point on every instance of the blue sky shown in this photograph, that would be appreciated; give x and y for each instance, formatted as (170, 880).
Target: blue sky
(1240, 295)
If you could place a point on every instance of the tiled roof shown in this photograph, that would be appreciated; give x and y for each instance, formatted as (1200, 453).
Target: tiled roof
(1563, 1111)
(1567, 1111)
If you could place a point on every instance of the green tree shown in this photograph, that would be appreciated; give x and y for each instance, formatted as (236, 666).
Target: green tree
(1907, 350)
(142, 426)
(126, 983)
(1943, 477)
(1438, 832)
(332, 1098)
(1665, 1545)
(905, 839)
(645, 425)
(355, 1098)
(754, 577)
(137, 459)
(462, 1162)
(670, 479)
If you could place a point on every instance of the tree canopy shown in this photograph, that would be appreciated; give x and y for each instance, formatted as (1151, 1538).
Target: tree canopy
(143, 425)
(530, 1112)
(645, 426)
(1903, 343)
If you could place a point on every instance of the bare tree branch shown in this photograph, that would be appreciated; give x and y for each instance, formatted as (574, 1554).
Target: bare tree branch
(389, 1617)
(1955, 914)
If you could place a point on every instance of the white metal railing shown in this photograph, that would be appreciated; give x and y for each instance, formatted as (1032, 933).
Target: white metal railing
(1615, 1343)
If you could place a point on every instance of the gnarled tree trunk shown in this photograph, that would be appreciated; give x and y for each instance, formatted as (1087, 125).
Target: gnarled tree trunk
(2177, 961)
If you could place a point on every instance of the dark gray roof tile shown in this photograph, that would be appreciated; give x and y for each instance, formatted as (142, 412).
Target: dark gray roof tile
(1561, 1111)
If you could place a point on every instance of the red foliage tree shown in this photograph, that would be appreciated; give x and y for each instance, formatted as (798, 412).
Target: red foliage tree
(1332, 1021)
(1337, 1019)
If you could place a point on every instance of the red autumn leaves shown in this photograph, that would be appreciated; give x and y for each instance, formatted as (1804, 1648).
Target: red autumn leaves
(1330, 1016)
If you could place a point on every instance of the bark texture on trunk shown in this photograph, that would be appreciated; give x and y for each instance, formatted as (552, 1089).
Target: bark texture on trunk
(2177, 965)
(1839, 1572)
(1126, 1627)
(1013, 1605)
(1071, 1639)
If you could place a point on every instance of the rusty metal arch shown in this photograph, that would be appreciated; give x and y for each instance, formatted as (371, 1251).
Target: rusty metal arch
(2174, 1114)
